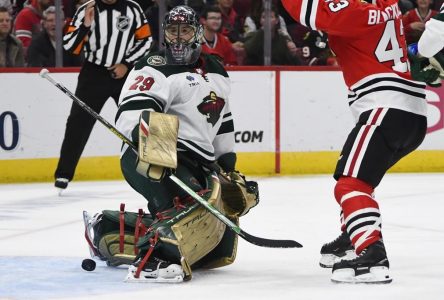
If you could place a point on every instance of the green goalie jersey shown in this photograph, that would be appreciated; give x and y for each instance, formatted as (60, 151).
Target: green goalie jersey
(197, 94)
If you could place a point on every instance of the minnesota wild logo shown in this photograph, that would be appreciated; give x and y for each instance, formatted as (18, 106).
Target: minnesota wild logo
(211, 107)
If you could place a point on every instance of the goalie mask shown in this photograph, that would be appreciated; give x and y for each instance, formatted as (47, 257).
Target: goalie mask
(183, 34)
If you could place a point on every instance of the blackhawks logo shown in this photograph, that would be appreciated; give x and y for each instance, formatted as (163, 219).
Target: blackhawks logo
(211, 107)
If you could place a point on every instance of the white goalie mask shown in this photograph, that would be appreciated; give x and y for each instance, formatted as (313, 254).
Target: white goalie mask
(183, 35)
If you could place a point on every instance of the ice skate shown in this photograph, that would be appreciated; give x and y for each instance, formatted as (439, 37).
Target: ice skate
(340, 248)
(89, 222)
(61, 184)
(156, 270)
(371, 266)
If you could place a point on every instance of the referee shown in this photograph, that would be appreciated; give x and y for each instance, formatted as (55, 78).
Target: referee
(113, 35)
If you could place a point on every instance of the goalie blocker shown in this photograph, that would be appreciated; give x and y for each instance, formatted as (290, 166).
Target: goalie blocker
(157, 144)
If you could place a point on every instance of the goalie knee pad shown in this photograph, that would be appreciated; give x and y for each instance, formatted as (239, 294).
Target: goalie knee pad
(360, 211)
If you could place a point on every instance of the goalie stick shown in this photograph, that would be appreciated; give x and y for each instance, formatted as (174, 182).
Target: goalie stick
(44, 73)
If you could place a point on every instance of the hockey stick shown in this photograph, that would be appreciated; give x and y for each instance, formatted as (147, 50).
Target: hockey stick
(248, 237)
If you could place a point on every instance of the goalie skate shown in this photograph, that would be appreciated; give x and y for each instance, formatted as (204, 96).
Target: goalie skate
(89, 233)
(156, 271)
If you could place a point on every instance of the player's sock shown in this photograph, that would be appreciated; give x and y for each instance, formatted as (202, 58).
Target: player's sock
(361, 212)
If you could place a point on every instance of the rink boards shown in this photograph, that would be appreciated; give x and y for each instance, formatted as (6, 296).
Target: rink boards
(287, 121)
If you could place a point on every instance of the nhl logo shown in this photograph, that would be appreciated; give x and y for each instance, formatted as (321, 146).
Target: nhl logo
(123, 23)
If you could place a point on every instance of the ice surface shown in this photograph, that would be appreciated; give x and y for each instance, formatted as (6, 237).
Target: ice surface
(42, 244)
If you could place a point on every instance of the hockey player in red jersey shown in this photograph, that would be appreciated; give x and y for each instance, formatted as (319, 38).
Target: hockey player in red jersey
(390, 113)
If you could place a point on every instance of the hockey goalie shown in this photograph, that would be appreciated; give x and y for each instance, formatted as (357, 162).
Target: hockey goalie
(174, 107)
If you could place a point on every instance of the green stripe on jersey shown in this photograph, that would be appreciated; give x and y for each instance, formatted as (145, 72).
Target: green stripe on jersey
(211, 64)
(137, 105)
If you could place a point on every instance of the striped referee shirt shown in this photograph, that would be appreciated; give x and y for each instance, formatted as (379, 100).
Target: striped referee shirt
(119, 33)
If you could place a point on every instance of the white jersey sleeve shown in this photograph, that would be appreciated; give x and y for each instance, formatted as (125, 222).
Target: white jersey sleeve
(432, 40)
(224, 140)
(144, 89)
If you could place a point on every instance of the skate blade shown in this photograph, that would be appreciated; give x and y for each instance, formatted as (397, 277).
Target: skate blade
(130, 278)
(60, 191)
(328, 260)
(377, 275)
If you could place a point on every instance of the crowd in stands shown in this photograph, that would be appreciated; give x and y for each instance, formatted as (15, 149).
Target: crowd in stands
(233, 29)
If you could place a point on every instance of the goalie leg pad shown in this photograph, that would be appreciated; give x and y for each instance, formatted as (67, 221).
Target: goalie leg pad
(157, 144)
(112, 235)
(188, 232)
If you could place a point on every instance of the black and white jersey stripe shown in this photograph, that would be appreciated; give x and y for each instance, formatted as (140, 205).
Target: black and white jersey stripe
(387, 90)
(385, 83)
(104, 43)
(441, 10)
(308, 13)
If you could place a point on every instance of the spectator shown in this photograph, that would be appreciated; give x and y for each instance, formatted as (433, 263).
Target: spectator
(17, 6)
(243, 7)
(253, 20)
(232, 25)
(11, 49)
(284, 51)
(28, 21)
(41, 52)
(7, 4)
(414, 20)
(406, 5)
(213, 41)
(314, 50)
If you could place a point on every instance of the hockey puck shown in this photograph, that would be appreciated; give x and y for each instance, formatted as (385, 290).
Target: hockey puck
(88, 264)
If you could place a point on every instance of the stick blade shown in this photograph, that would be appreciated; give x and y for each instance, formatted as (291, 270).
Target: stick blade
(268, 242)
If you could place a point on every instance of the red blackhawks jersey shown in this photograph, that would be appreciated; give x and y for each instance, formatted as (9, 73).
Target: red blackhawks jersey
(368, 40)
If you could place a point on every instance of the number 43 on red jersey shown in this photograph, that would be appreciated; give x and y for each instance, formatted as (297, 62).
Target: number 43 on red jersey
(368, 40)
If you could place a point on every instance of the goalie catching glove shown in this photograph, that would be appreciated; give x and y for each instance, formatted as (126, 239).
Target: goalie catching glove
(157, 144)
(238, 194)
